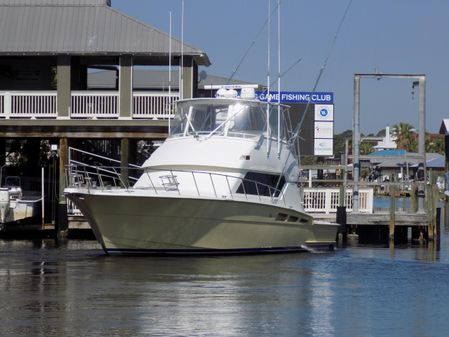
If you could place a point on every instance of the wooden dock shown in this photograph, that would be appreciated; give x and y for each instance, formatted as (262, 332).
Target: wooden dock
(377, 219)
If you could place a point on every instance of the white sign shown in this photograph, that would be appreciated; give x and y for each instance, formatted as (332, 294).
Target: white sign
(324, 147)
(324, 112)
(324, 129)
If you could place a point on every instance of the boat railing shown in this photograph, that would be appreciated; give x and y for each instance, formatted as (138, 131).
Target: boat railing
(92, 176)
(179, 182)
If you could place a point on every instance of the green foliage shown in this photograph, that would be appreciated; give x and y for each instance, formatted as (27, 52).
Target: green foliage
(406, 137)
(435, 143)
(339, 142)
(366, 148)
(308, 160)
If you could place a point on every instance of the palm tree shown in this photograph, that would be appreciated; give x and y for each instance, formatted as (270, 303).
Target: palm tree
(405, 136)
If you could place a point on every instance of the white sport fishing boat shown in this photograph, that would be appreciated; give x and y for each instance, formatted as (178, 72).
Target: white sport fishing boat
(224, 181)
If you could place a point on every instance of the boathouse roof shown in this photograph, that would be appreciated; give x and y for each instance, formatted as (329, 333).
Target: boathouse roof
(81, 27)
(396, 159)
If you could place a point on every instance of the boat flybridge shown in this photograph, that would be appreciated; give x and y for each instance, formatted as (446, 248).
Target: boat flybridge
(224, 181)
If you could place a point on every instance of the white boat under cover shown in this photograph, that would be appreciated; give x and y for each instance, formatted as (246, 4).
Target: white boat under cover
(224, 181)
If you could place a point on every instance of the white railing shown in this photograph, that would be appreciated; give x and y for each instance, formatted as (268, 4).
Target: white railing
(190, 184)
(154, 105)
(27, 104)
(90, 104)
(85, 104)
(326, 200)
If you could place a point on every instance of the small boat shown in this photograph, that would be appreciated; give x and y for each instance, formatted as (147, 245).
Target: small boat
(14, 207)
(225, 181)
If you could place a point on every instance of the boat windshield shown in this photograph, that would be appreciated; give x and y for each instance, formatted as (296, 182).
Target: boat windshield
(228, 117)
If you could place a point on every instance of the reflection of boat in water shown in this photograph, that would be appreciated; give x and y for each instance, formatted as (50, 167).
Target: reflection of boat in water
(225, 181)
(14, 207)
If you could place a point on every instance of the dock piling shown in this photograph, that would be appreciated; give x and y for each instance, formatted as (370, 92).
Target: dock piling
(392, 222)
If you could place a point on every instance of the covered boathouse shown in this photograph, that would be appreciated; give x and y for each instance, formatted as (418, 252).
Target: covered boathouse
(48, 48)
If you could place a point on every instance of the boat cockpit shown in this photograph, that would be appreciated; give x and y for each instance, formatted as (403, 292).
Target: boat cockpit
(231, 117)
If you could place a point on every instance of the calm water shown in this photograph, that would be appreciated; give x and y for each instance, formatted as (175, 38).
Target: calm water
(75, 290)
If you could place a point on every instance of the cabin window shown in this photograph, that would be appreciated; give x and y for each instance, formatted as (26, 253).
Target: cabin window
(261, 184)
(220, 117)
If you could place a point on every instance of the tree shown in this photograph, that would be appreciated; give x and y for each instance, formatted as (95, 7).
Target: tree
(406, 138)
(339, 142)
(435, 143)
(366, 148)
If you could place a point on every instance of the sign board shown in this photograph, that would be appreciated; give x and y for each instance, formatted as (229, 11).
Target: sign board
(324, 147)
(324, 130)
(297, 97)
(324, 112)
(321, 115)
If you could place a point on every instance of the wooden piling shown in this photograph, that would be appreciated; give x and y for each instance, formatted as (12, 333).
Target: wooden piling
(342, 234)
(431, 200)
(438, 228)
(413, 199)
(392, 222)
(62, 223)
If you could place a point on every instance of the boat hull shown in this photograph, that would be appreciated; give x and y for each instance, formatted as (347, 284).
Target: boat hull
(167, 225)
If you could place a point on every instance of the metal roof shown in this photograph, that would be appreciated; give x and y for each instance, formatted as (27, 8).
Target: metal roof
(433, 160)
(81, 27)
(54, 2)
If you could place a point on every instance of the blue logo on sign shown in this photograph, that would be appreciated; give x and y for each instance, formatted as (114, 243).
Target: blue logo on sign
(323, 112)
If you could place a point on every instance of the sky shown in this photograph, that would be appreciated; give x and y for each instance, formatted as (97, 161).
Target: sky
(381, 36)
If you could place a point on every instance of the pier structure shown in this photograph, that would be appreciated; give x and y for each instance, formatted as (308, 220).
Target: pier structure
(424, 214)
(48, 53)
(388, 211)
(418, 80)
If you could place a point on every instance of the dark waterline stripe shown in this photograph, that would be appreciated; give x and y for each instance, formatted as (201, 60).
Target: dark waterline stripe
(238, 251)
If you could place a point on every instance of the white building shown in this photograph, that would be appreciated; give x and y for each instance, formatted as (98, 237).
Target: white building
(387, 143)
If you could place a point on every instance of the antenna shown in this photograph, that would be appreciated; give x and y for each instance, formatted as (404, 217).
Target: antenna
(181, 87)
(279, 78)
(169, 78)
(268, 76)
(323, 67)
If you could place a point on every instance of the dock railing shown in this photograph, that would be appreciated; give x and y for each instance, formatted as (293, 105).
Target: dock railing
(85, 104)
(326, 200)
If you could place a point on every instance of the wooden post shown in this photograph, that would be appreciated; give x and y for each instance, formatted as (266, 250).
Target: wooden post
(342, 195)
(392, 223)
(431, 206)
(341, 220)
(64, 99)
(438, 224)
(62, 225)
(446, 213)
(413, 199)
(126, 86)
